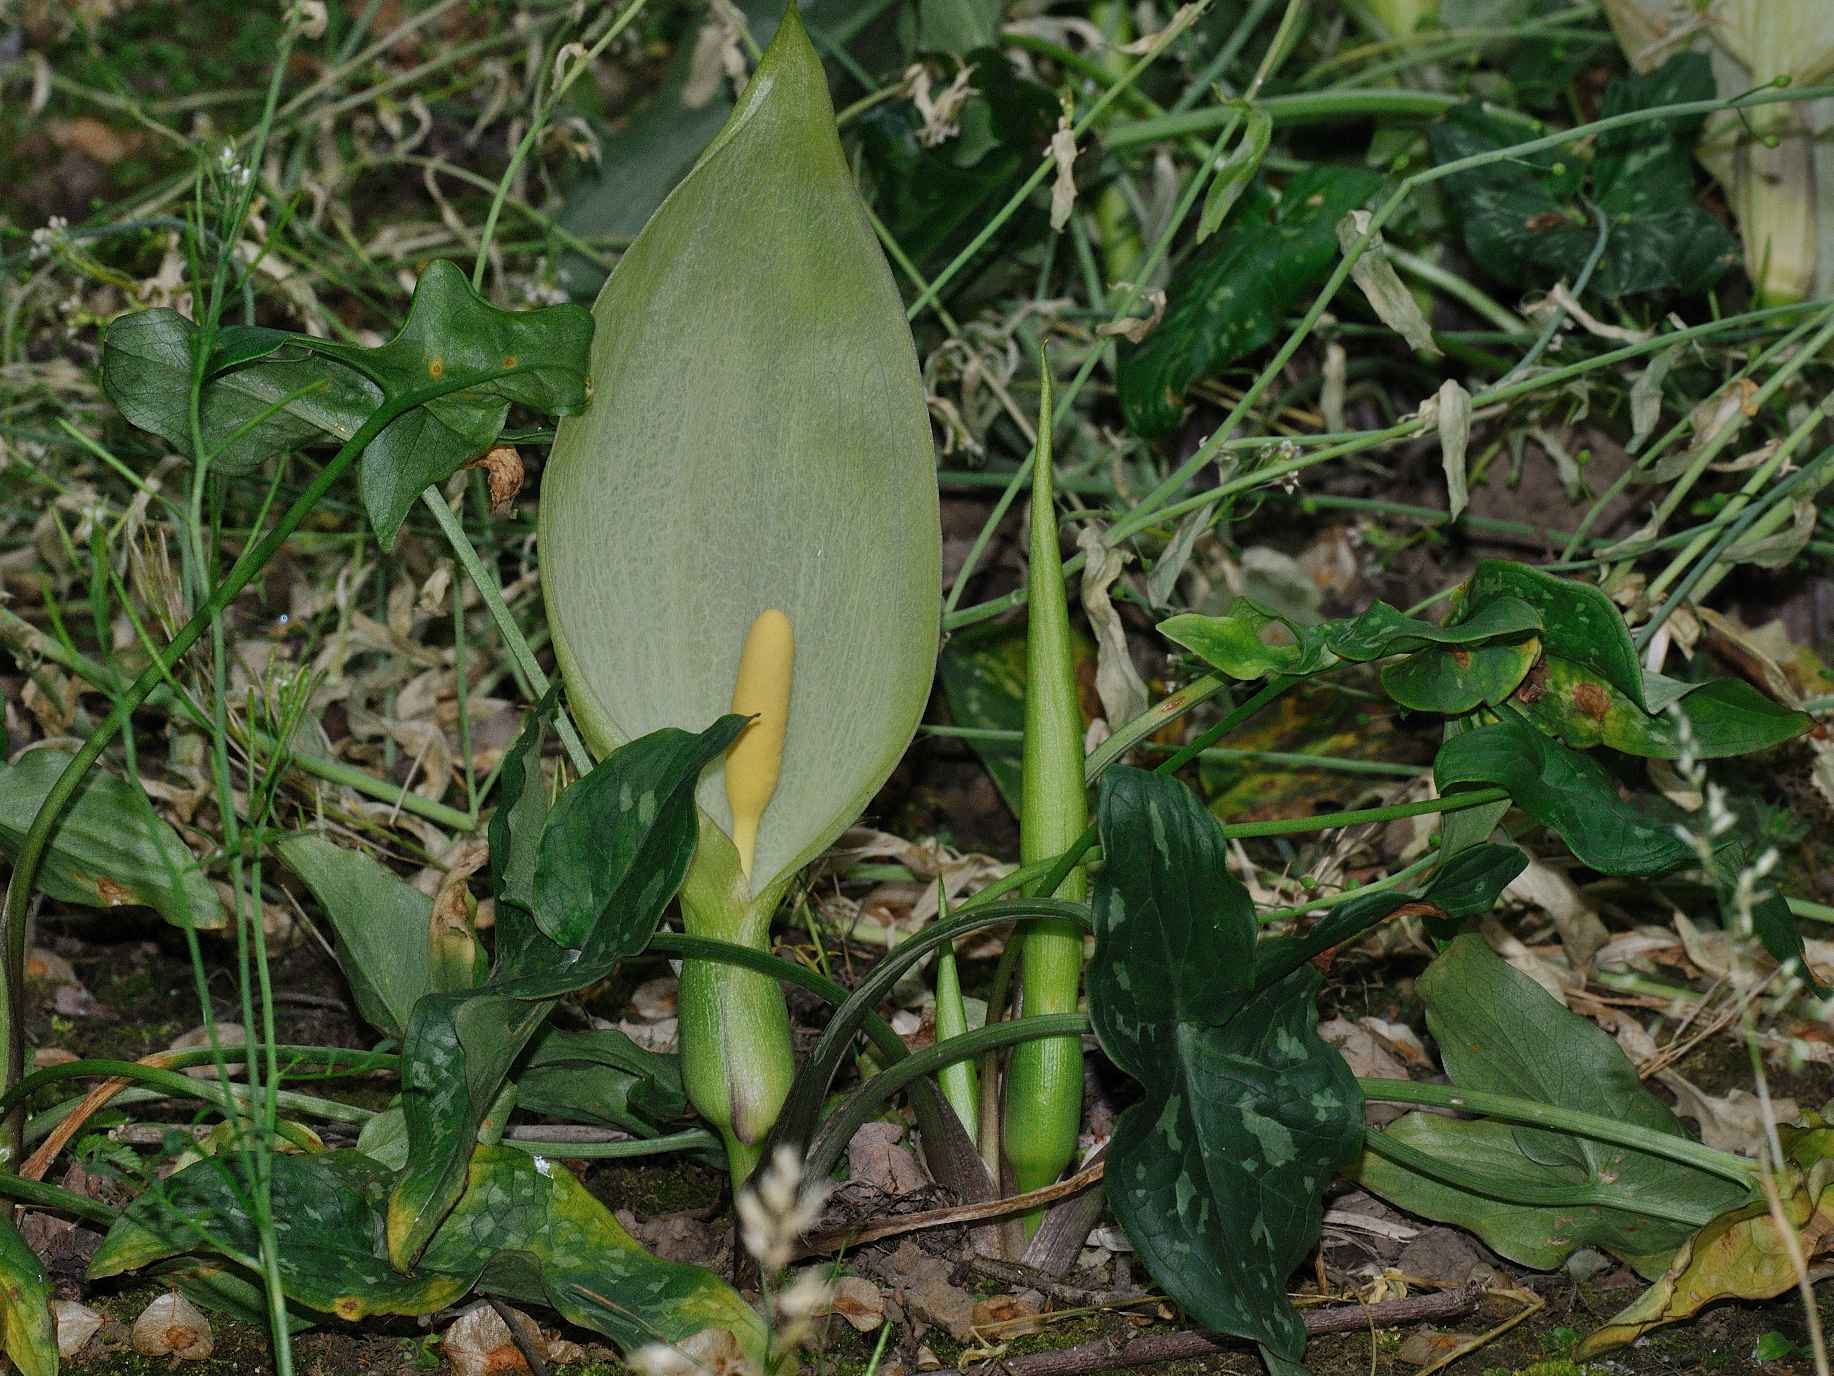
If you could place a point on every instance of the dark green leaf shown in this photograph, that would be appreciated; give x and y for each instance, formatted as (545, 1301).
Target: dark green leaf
(956, 26)
(110, 849)
(1566, 792)
(1217, 1176)
(257, 406)
(1578, 621)
(1499, 1031)
(612, 856)
(600, 1076)
(248, 415)
(1525, 220)
(1573, 796)
(1239, 643)
(521, 813)
(524, 1228)
(1229, 298)
(381, 924)
(593, 876)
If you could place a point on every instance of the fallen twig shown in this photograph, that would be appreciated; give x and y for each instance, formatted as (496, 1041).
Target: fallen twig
(1109, 1353)
(857, 1234)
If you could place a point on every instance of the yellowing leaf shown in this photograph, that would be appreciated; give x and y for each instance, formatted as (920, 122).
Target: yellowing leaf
(1739, 1255)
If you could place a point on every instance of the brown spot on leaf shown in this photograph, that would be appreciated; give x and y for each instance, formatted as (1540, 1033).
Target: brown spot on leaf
(1535, 685)
(112, 894)
(436, 368)
(1462, 658)
(1592, 700)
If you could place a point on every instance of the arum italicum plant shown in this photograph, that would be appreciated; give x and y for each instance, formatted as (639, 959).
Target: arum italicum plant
(746, 519)
(1776, 161)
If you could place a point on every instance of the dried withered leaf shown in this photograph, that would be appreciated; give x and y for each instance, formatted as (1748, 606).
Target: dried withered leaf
(503, 474)
(172, 1326)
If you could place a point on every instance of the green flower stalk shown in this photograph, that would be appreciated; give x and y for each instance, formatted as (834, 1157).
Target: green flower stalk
(1044, 1078)
(746, 519)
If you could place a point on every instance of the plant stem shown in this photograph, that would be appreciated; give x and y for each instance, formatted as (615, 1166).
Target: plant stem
(513, 640)
(1325, 821)
(1512, 1109)
(580, 65)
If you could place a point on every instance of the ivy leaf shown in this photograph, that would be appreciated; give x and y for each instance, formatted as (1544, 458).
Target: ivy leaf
(1238, 643)
(1228, 299)
(1499, 1031)
(612, 855)
(1578, 621)
(524, 1228)
(1569, 793)
(1217, 1175)
(270, 392)
(1724, 717)
(1525, 220)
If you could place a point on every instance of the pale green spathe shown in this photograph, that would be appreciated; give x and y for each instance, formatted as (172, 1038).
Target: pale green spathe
(758, 438)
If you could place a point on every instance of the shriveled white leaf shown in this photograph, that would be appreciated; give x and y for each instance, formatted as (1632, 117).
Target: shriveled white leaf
(1452, 414)
(1564, 463)
(1646, 397)
(1392, 302)
(1117, 683)
(1135, 328)
(1775, 550)
(940, 111)
(1335, 389)
(1063, 189)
